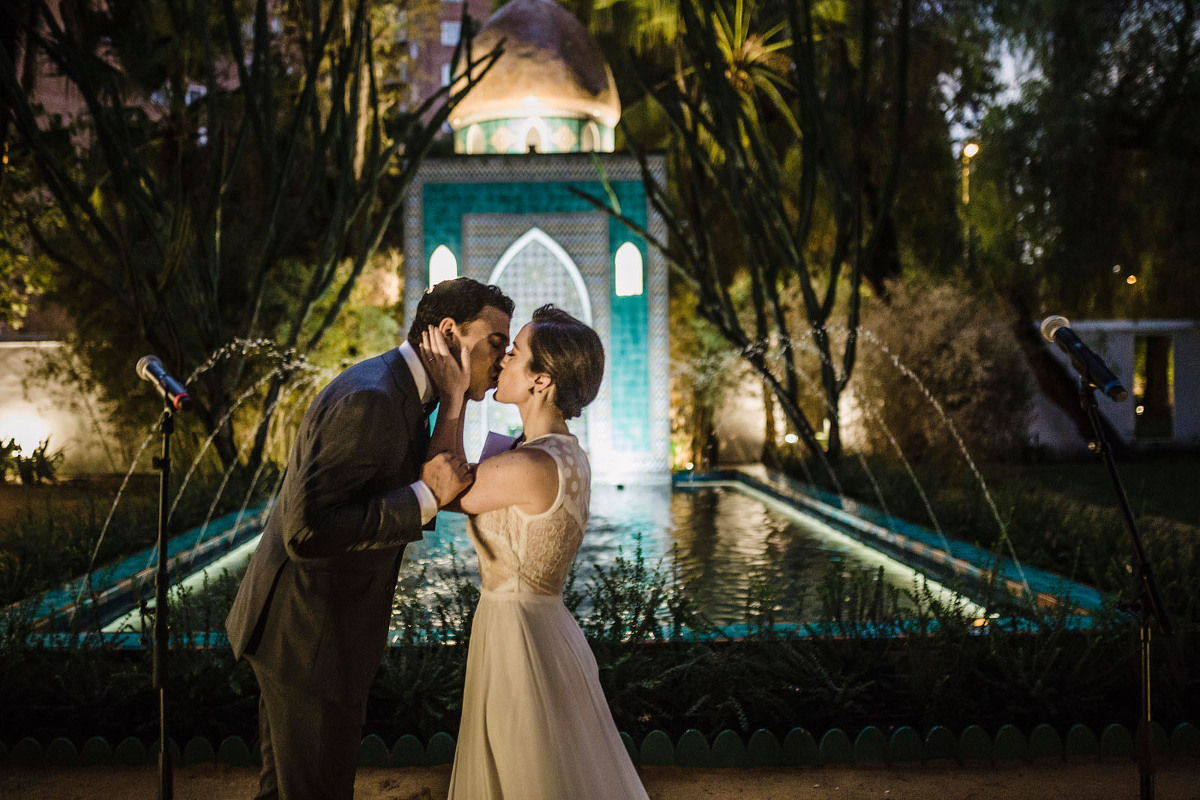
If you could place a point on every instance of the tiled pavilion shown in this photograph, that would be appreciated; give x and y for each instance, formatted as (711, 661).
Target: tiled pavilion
(502, 210)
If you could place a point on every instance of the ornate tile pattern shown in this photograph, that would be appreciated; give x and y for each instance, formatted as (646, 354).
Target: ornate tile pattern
(480, 206)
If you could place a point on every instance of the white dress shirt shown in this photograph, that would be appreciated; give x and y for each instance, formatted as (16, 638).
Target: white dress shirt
(425, 496)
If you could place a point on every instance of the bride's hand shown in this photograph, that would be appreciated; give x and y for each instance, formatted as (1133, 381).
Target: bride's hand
(451, 375)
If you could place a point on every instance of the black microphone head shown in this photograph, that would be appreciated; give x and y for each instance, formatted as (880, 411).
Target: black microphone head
(144, 364)
(1052, 325)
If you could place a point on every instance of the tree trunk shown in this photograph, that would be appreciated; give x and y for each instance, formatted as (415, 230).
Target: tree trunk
(704, 437)
(770, 450)
(884, 264)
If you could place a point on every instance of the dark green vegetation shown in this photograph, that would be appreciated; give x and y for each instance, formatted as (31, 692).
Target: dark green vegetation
(944, 671)
(815, 160)
(36, 467)
(236, 171)
(51, 534)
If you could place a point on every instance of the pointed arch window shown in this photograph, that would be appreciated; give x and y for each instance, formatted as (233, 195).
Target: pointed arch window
(533, 140)
(474, 140)
(628, 263)
(443, 266)
(591, 138)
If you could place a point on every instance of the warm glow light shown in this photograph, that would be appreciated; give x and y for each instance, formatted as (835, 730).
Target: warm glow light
(443, 266)
(26, 429)
(1131, 280)
(970, 150)
(791, 438)
(628, 270)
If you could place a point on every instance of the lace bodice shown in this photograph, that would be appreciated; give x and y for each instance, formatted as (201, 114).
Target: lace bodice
(521, 552)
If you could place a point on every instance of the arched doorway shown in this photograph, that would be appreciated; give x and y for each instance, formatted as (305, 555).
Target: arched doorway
(533, 271)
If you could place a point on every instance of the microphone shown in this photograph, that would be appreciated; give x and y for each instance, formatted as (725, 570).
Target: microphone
(150, 368)
(1089, 365)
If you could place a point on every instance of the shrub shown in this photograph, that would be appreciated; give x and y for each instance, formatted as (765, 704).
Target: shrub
(962, 350)
(9, 453)
(40, 465)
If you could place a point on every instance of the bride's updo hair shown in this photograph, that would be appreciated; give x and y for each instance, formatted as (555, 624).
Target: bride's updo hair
(570, 353)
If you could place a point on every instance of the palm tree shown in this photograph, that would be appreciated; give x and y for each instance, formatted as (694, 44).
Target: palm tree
(767, 113)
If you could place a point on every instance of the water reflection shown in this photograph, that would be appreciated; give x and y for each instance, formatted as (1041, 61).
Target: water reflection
(728, 546)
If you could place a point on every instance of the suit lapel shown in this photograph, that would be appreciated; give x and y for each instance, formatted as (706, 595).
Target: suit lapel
(405, 387)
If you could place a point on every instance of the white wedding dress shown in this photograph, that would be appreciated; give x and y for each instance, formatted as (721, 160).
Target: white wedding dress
(535, 724)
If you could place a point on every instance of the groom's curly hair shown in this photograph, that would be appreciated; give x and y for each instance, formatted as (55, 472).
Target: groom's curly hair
(460, 299)
(570, 353)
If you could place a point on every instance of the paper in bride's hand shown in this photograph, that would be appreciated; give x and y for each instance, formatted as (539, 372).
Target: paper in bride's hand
(495, 444)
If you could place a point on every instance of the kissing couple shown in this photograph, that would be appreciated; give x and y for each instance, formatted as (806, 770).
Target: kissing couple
(364, 478)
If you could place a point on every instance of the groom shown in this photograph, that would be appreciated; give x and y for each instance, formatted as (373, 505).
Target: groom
(312, 613)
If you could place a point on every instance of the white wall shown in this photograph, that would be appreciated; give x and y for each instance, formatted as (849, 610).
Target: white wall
(1113, 340)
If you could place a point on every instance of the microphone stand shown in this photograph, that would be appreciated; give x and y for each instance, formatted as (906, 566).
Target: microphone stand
(1147, 607)
(161, 584)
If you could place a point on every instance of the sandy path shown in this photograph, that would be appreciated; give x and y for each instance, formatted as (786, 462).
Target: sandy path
(1177, 780)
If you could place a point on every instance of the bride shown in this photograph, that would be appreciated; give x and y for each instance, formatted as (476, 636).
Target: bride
(535, 724)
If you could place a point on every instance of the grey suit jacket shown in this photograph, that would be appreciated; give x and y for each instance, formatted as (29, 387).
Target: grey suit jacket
(314, 606)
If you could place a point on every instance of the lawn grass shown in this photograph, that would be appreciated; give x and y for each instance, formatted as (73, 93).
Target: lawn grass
(51, 533)
(1164, 486)
(72, 498)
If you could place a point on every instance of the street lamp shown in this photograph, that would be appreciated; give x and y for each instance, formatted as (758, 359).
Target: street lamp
(969, 151)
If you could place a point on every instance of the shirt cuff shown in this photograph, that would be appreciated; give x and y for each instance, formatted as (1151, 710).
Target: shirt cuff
(426, 500)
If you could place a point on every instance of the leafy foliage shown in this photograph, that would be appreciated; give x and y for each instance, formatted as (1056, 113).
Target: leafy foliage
(232, 178)
(9, 453)
(788, 123)
(1087, 180)
(55, 537)
(942, 670)
(704, 369)
(961, 351)
(25, 274)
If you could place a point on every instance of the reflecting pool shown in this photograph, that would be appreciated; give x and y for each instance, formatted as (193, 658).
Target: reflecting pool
(726, 543)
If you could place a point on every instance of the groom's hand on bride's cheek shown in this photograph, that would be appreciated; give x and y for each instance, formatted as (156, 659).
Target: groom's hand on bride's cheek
(447, 476)
(447, 364)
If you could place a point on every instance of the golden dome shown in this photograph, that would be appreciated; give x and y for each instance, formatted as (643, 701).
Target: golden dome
(550, 67)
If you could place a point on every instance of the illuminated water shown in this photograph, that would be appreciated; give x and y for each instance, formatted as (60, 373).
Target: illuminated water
(726, 543)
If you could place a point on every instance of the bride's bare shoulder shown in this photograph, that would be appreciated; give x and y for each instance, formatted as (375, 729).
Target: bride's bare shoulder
(527, 461)
(526, 477)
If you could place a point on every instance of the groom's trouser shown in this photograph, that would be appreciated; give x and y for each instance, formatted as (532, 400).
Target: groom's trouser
(309, 744)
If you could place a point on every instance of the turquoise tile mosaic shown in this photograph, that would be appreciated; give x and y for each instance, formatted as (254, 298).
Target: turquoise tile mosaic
(445, 204)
